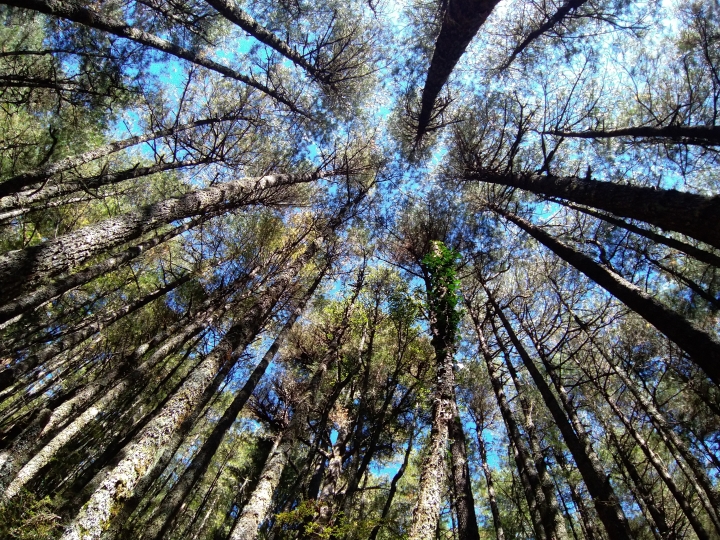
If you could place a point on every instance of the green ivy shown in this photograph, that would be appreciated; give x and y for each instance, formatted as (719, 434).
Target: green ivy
(443, 294)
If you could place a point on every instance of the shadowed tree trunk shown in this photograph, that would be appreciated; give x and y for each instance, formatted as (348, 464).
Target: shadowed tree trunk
(461, 21)
(701, 346)
(598, 484)
(526, 468)
(686, 213)
(700, 135)
(683, 247)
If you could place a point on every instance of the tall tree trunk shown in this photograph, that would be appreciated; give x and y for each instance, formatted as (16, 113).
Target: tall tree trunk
(105, 403)
(672, 210)
(22, 269)
(91, 18)
(28, 200)
(553, 521)
(642, 492)
(685, 505)
(700, 135)
(461, 21)
(393, 486)
(521, 453)
(492, 499)
(683, 247)
(234, 14)
(701, 346)
(11, 312)
(146, 447)
(598, 483)
(174, 502)
(587, 520)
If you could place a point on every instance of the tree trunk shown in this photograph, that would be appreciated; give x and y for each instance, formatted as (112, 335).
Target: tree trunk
(461, 21)
(492, 499)
(146, 447)
(25, 268)
(553, 521)
(234, 14)
(12, 311)
(393, 486)
(662, 471)
(598, 483)
(683, 247)
(526, 468)
(672, 210)
(174, 502)
(642, 492)
(108, 400)
(700, 135)
(701, 346)
(562, 12)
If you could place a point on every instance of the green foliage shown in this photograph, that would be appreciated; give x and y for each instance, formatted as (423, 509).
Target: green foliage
(26, 517)
(443, 290)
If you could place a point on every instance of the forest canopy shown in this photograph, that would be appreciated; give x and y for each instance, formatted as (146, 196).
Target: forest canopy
(362, 270)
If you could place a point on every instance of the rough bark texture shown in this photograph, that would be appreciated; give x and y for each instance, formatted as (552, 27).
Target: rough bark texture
(552, 518)
(672, 210)
(703, 348)
(24, 268)
(598, 483)
(257, 507)
(12, 310)
(44, 455)
(492, 499)
(662, 471)
(464, 500)
(461, 21)
(695, 252)
(170, 507)
(93, 19)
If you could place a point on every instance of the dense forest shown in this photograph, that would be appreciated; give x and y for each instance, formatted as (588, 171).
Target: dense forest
(360, 270)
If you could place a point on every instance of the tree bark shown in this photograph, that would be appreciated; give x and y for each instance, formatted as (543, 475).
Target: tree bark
(598, 483)
(686, 213)
(25, 268)
(697, 135)
(461, 21)
(14, 310)
(173, 503)
(683, 247)
(526, 468)
(701, 346)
